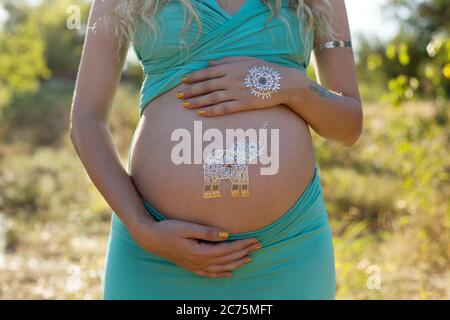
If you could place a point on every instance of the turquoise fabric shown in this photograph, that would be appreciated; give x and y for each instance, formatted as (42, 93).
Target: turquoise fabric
(242, 34)
(295, 262)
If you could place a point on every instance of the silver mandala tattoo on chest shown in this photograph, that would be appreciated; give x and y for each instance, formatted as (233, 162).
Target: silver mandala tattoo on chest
(263, 81)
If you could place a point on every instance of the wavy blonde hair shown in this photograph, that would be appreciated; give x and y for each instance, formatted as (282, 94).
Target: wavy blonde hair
(316, 14)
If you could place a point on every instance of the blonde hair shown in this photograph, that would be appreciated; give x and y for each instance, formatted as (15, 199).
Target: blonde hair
(314, 14)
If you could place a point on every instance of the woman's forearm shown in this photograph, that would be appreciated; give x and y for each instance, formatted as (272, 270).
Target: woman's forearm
(332, 116)
(94, 145)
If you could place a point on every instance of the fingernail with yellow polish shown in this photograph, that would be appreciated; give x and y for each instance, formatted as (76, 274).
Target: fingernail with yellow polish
(186, 104)
(248, 259)
(223, 234)
(258, 246)
(201, 112)
(184, 79)
(180, 94)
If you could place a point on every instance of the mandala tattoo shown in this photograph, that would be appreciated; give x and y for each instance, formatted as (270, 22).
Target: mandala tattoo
(232, 164)
(263, 81)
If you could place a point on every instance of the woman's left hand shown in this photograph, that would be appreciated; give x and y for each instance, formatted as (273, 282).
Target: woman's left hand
(220, 88)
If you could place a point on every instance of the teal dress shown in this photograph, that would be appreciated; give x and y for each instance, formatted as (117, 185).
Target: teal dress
(296, 260)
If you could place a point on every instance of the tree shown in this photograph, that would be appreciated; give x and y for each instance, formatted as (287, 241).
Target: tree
(416, 62)
(22, 61)
(35, 44)
(64, 44)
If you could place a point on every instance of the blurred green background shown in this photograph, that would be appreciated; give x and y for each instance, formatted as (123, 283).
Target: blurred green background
(387, 197)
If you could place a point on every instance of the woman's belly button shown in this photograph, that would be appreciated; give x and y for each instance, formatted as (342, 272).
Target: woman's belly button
(239, 172)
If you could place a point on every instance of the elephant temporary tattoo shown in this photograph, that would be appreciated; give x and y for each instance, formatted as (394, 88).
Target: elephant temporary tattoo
(232, 164)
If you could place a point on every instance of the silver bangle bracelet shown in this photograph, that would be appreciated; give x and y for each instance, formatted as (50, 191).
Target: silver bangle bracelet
(335, 44)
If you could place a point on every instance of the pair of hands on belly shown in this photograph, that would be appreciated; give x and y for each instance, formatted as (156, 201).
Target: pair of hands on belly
(217, 90)
(220, 88)
(197, 248)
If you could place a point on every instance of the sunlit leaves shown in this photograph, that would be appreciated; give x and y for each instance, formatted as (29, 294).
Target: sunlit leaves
(374, 61)
(403, 56)
(35, 44)
(398, 51)
(446, 71)
(416, 62)
(22, 63)
(391, 51)
(402, 88)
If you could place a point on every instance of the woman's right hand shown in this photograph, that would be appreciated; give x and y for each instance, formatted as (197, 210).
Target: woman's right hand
(181, 242)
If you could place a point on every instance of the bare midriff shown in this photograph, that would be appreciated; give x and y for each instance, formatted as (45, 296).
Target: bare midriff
(177, 191)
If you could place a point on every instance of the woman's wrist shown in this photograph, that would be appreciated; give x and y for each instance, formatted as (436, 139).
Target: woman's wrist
(140, 220)
(303, 92)
(296, 85)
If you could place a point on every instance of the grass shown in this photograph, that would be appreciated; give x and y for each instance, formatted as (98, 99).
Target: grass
(387, 199)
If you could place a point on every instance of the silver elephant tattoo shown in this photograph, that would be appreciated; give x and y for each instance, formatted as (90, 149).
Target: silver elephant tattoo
(232, 164)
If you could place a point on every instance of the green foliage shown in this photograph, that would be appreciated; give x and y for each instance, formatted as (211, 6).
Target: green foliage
(427, 16)
(389, 202)
(22, 62)
(416, 64)
(31, 116)
(64, 45)
(35, 43)
(56, 223)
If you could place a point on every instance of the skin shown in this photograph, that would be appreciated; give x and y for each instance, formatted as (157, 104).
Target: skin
(180, 241)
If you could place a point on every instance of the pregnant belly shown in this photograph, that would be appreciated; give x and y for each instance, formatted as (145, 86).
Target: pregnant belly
(243, 195)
